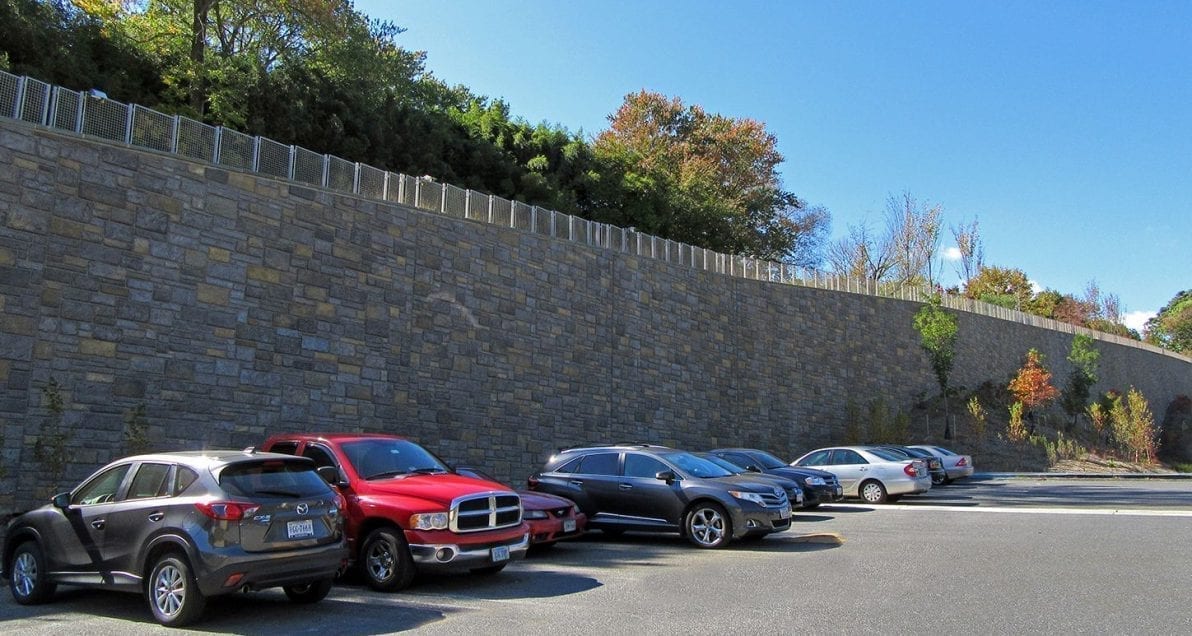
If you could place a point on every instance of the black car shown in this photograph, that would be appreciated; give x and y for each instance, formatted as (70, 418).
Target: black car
(659, 489)
(179, 527)
(819, 486)
(935, 465)
(794, 492)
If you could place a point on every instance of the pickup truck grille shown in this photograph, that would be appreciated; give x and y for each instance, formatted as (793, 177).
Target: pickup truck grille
(487, 511)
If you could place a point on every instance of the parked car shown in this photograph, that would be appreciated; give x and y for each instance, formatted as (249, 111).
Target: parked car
(935, 465)
(407, 511)
(181, 527)
(873, 474)
(819, 486)
(794, 492)
(956, 466)
(551, 518)
(658, 489)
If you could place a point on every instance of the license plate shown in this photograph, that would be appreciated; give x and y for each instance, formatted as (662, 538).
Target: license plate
(569, 525)
(300, 529)
(839, 491)
(500, 553)
(785, 514)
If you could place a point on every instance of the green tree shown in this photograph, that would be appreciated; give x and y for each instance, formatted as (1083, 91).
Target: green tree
(938, 329)
(1172, 326)
(1084, 358)
(1002, 286)
(683, 173)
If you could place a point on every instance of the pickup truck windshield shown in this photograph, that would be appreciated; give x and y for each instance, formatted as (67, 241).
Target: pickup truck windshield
(384, 458)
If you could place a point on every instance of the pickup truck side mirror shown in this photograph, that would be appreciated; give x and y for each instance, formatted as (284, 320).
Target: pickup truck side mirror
(665, 475)
(331, 475)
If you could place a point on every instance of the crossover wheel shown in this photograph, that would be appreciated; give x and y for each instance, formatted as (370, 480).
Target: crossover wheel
(708, 526)
(174, 597)
(386, 561)
(27, 578)
(312, 592)
(873, 492)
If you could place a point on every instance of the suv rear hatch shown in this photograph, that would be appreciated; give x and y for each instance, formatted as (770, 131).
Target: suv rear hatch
(283, 504)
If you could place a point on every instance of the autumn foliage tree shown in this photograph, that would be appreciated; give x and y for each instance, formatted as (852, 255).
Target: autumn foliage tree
(1032, 385)
(683, 173)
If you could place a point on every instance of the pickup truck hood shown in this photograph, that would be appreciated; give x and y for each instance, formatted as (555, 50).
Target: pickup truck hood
(439, 488)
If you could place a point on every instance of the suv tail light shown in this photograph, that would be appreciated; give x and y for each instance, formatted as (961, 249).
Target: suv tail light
(909, 469)
(226, 510)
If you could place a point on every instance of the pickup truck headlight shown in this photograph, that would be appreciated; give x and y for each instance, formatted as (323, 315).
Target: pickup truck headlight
(815, 481)
(748, 496)
(534, 514)
(429, 521)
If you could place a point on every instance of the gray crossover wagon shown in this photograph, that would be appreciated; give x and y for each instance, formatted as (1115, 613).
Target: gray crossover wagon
(179, 527)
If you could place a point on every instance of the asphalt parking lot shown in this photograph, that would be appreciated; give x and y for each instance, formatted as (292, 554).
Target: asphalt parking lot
(994, 556)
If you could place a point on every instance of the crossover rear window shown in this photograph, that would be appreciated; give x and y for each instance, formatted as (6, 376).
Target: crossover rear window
(272, 478)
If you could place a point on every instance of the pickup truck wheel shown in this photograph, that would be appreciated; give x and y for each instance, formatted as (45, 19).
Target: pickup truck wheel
(386, 561)
(490, 570)
(312, 592)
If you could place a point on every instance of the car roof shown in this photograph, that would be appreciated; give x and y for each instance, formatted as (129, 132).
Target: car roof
(334, 437)
(207, 458)
(615, 447)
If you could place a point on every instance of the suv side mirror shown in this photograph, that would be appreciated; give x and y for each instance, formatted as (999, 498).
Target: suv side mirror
(61, 500)
(666, 475)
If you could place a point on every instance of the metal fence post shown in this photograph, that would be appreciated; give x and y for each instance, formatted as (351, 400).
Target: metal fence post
(45, 106)
(290, 166)
(256, 153)
(174, 133)
(81, 111)
(490, 208)
(19, 105)
(385, 186)
(129, 111)
(443, 198)
(356, 179)
(401, 189)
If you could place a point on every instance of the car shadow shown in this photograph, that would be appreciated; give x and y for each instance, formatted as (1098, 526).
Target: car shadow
(844, 507)
(267, 612)
(512, 583)
(799, 517)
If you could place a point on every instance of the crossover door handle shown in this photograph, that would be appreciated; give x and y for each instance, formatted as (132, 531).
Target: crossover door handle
(576, 482)
(626, 486)
(157, 516)
(99, 524)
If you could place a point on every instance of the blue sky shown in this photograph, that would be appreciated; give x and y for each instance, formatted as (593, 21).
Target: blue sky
(1063, 127)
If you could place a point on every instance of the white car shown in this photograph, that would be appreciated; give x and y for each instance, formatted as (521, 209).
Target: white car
(955, 465)
(873, 474)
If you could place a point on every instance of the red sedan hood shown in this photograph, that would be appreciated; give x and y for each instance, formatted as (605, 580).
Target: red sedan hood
(440, 488)
(541, 501)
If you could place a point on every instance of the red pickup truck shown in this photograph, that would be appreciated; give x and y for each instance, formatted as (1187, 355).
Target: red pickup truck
(407, 510)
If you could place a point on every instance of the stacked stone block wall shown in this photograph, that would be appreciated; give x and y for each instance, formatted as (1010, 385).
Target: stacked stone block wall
(234, 306)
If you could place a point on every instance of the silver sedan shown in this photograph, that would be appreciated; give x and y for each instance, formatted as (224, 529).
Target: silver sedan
(873, 474)
(956, 465)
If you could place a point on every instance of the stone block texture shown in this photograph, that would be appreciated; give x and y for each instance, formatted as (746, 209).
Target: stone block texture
(234, 306)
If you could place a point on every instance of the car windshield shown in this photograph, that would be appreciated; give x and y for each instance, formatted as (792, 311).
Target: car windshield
(695, 466)
(767, 460)
(943, 451)
(273, 478)
(723, 463)
(888, 455)
(381, 458)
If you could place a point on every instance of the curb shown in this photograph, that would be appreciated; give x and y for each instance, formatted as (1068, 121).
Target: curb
(1175, 476)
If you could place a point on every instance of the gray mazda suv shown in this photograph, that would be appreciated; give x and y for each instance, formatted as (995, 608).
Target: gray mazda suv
(179, 527)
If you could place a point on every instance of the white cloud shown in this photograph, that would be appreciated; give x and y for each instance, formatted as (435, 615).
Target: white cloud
(1035, 286)
(1136, 320)
(951, 253)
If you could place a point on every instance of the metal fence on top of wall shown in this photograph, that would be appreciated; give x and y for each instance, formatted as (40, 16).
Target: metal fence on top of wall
(93, 114)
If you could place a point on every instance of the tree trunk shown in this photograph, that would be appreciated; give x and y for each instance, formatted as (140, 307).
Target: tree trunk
(198, 56)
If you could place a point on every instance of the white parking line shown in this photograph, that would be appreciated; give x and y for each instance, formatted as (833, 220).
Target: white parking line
(1105, 512)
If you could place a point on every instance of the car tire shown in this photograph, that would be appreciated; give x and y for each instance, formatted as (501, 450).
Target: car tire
(489, 571)
(873, 492)
(936, 480)
(28, 576)
(307, 593)
(707, 525)
(173, 594)
(385, 560)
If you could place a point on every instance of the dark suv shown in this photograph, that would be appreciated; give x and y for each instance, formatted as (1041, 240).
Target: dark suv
(819, 486)
(179, 527)
(659, 489)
